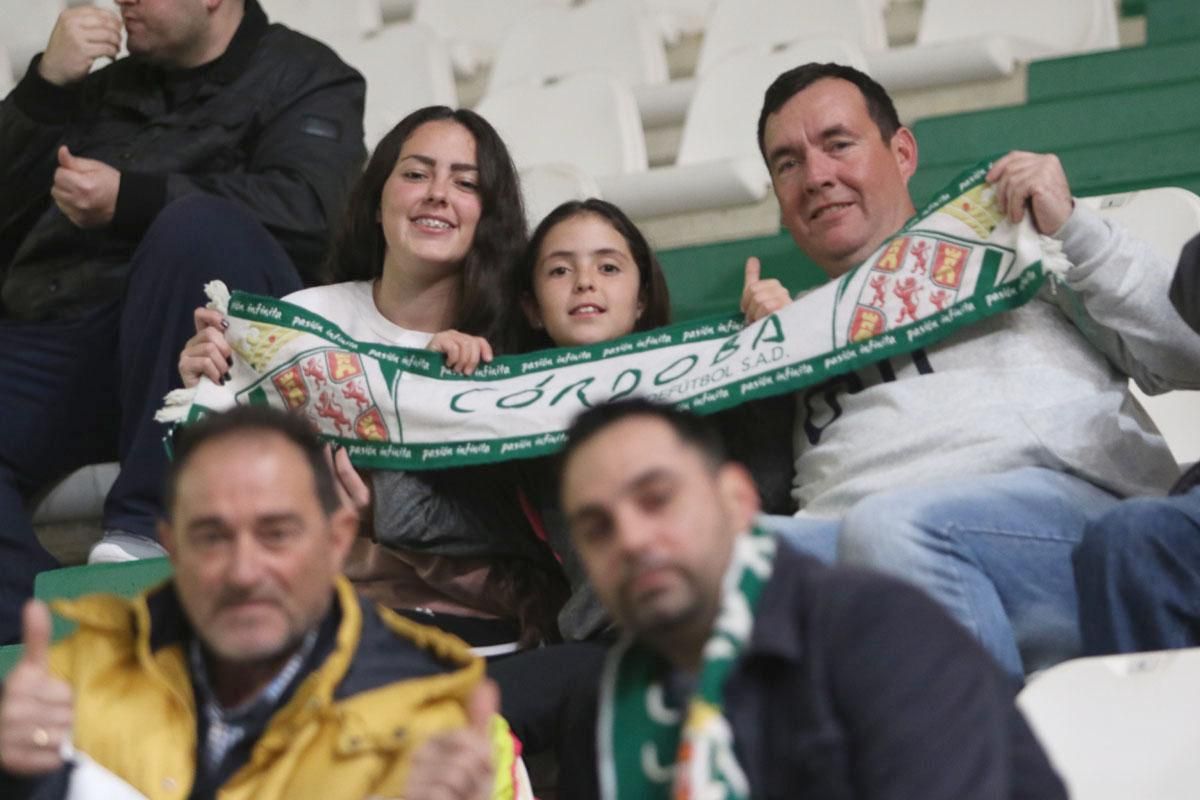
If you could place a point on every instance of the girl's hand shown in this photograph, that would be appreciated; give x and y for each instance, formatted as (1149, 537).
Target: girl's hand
(351, 488)
(207, 353)
(463, 351)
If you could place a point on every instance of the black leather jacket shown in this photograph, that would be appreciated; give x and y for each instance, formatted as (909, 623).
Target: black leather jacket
(274, 124)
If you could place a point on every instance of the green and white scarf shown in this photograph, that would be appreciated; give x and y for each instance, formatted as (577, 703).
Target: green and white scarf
(648, 750)
(956, 262)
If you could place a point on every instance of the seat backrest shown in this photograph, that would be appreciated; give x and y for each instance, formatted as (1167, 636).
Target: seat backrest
(6, 72)
(324, 20)
(546, 186)
(675, 18)
(406, 67)
(607, 36)
(26, 29)
(764, 24)
(1120, 727)
(589, 120)
(474, 28)
(1061, 26)
(722, 118)
(1166, 218)
(125, 579)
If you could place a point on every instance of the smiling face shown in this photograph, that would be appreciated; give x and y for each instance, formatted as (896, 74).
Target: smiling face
(586, 284)
(842, 190)
(654, 522)
(430, 203)
(255, 555)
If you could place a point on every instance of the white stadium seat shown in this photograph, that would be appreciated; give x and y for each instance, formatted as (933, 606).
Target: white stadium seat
(609, 36)
(723, 114)
(325, 20)
(26, 29)
(406, 67)
(1055, 28)
(763, 24)
(475, 28)
(969, 40)
(1166, 218)
(6, 72)
(677, 18)
(719, 163)
(78, 497)
(1121, 727)
(546, 186)
(589, 120)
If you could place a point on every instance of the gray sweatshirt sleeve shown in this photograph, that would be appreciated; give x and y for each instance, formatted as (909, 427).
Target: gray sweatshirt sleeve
(1119, 298)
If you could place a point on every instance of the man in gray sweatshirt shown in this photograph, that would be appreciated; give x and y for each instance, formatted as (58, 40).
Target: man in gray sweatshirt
(970, 467)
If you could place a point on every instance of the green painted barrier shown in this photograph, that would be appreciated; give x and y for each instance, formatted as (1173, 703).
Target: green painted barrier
(123, 579)
(1169, 160)
(1113, 70)
(9, 655)
(1066, 123)
(1171, 20)
(708, 279)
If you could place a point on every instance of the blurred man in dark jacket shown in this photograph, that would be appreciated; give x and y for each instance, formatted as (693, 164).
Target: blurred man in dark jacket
(750, 670)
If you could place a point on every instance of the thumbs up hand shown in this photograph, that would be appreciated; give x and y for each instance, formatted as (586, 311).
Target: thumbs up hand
(36, 711)
(482, 706)
(761, 297)
(457, 765)
(85, 189)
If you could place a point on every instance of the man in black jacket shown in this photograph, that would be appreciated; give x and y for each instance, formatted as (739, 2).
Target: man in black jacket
(753, 668)
(222, 148)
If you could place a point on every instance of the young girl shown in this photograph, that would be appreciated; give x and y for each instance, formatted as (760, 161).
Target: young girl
(431, 229)
(588, 276)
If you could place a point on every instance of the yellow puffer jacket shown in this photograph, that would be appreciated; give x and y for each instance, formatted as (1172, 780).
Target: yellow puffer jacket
(347, 732)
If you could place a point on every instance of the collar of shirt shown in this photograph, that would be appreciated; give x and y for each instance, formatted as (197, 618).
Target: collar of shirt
(228, 726)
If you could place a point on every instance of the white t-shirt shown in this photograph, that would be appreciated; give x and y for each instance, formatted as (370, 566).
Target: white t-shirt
(351, 306)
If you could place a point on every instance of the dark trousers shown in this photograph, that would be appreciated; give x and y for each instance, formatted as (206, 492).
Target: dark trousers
(1138, 574)
(83, 391)
(548, 695)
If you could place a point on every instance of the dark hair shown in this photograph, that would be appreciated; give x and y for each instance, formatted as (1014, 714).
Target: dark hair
(692, 429)
(358, 247)
(241, 420)
(879, 105)
(652, 291)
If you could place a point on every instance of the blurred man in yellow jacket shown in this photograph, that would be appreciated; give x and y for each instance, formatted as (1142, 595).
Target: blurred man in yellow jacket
(256, 672)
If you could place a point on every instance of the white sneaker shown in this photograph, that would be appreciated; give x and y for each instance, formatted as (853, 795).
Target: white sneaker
(120, 546)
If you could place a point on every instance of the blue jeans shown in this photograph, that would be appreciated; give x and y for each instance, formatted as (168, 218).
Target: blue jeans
(84, 390)
(813, 536)
(994, 550)
(1138, 574)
